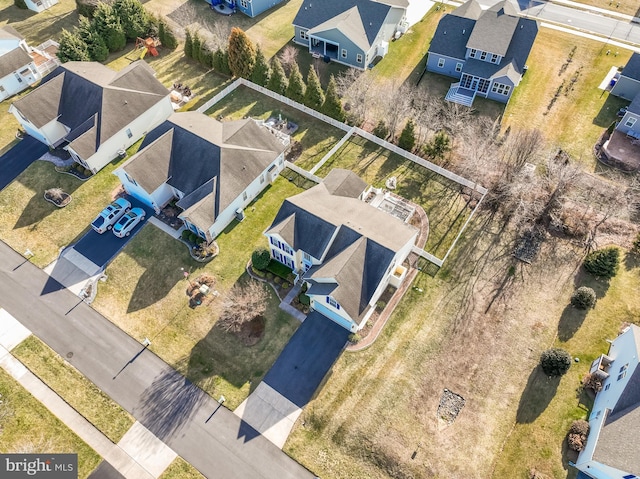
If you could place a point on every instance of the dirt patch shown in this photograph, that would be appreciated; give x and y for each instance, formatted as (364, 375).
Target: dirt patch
(450, 406)
(252, 331)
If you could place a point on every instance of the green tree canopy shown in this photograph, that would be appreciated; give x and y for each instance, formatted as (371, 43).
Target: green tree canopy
(332, 105)
(439, 146)
(133, 18)
(313, 95)
(295, 88)
(107, 24)
(278, 80)
(261, 71)
(96, 47)
(407, 138)
(381, 130)
(72, 48)
(242, 54)
(603, 263)
(188, 44)
(555, 362)
(166, 35)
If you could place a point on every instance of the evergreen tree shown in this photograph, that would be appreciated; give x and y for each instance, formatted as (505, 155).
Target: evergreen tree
(295, 88)
(407, 138)
(225, 63)
(96, 47)
(206, 56)
(133, 18)
(277, 81)
(242, 54)
(313, 95)
(261, 70)
(188, 44)
(106, 24)
(332, 105)
(72, 48)
(381, 130)
(166, 35)
(196, 47)
(439, 146)
(603, 263)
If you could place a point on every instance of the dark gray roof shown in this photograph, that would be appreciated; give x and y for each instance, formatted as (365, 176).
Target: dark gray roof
(632, 68)
(634, 107)
(190, 149)
(78, 91)
(313, 13)
(494, 29)
(448, 39)
(342, 182)
(13, 61)
(469, 9)
(302, 229)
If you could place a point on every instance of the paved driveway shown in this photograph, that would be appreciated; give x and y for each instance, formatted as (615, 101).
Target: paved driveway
(16, 160)
(307, 358)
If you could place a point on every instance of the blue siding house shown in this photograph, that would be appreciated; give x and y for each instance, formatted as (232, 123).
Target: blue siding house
(628, 85)
(352, 32)
(486, 50)
(251, 8)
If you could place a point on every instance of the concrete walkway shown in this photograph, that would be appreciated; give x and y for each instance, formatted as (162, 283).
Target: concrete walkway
(602, 11)
(285, 304)
(13, 333)
(166, 228)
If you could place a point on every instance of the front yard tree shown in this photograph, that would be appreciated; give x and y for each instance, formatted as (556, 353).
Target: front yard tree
(133, 18)
(277, 81)
(72, 48)
(295, 88)
(555, 362)
(107, 24)
(332, 105)
(242, 305)
(260, 259)
(313, 95)
(603, 263)
(261, 70)
(407, 138)
(242, 54)
(96, 47)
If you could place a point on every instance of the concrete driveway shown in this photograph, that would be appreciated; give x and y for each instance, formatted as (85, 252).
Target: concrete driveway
(18, 158)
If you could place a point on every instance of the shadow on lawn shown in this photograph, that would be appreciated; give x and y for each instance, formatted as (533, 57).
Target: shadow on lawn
(570, 321)
(607, 114)
(537, 395)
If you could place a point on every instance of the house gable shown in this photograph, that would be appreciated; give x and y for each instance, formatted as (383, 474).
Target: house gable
(14, 60)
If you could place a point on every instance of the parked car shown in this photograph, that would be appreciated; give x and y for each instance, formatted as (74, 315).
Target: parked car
(125, 225)
(108, 216)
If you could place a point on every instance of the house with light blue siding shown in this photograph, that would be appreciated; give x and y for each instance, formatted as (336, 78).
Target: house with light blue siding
(345, 250)
(251, 8)
(212, 169)
(351, 32)
(628, 84)
(486, 50)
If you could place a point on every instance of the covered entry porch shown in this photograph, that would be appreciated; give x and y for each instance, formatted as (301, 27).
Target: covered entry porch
(323, 48)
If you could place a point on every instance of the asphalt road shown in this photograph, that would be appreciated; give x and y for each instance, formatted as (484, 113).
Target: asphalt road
(14, 161)
(307, 358)
(189, 421)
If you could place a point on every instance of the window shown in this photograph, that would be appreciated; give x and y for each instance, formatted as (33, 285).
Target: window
(459, 67)
(244, 195)
(624, 368)
(483, 85)
(440, 62)
(501, 89)
(472, 53)
(630, 122)
(343, 53)
(307, 257)
(129, 134)
(18, 77)
(281, 161)
(494, 58)
(359, 57)
(273, 241)
(622, 375)
(483, 55)
(130, 180)
(303, 35)
(262, 178)
(244, 3)
(606, 388)
(26, 72)
(333, 302)
(1, 88)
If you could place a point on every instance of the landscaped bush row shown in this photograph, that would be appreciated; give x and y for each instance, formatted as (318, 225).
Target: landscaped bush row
(280, 271)
(191, 237)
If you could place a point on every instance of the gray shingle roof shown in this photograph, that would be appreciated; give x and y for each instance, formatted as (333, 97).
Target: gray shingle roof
(494, 29)
(359, 20)
(341, 182)
(13, 61)
(77, 91)
(190, 149)
(448, 39)
(7, 32)
(634, 106)
(469, 9)
(632, 68)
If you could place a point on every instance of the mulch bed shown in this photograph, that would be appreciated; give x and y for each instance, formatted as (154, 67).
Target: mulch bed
(61, 200)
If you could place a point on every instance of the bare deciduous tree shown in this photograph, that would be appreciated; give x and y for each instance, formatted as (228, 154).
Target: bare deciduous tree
(393, 102)
(356, 88)
(288, 56)
(242, 304)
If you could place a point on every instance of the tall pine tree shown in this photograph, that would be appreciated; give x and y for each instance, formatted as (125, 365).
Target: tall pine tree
(407, 138)
(313, 95)
(332, 105)
(242, 54)
(72, 48)
(295, 88)
(188, 44)
(133, 18)
(96, 47)
(261, 70)
(277, 80)
(107, 24)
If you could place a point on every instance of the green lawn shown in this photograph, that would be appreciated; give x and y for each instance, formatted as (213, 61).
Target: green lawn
(26, 425)
(80, 393)
(315, 137)
(181, 469)
(440, 198)
(628, 7)
(547, 407)
(145, 295)
(39, 27)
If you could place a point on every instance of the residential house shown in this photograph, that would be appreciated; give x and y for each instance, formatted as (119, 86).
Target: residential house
(346, 250)
(214, 169)
(20, 65)
(39, 5)
(612, 450)
(92, 111)
(352, 32)
(486, 50)
(627, 85)
(251, 8)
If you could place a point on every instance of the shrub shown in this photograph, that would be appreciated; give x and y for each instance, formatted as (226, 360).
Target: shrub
(261, 70)
(313, 95)
(603, 263)
(407, 138)
(87, 172)
(199, 239)
(72, 48)
(188, 44)
(578, 434)
(185, 235)
(278, 80)
(635, 249)
(166, 35)
(296, 87)
(260, 259)
(269, 275)
(285, 285)
(260, 274)
(381, 130)
(278, 279)
(192, 237)
(381, 305)
(354, 338)
(304, 299)
(583, 298)
(555, 362)
(579, 426)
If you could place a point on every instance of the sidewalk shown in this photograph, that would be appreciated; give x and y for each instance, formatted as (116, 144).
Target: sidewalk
(602, 11)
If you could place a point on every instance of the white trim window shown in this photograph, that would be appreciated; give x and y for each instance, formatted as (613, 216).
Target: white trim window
(343, 53)
(130, 179)
(472, 53)
(244, 3)
(483, 56)
(494, 58)
(501, 89)
(333, 303)
(303, 35)
(630, 122)
(459, 67)
(441, 62)
(359, 57)
(129, 134)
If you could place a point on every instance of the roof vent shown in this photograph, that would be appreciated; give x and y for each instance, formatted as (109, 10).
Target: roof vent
(445, 32)
(521, 26)
(464, 31)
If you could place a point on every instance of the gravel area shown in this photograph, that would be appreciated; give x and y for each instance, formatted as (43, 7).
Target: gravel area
(56, 160)
(450, 406)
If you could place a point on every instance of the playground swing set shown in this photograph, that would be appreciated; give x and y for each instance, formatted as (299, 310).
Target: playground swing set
(144, 46)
